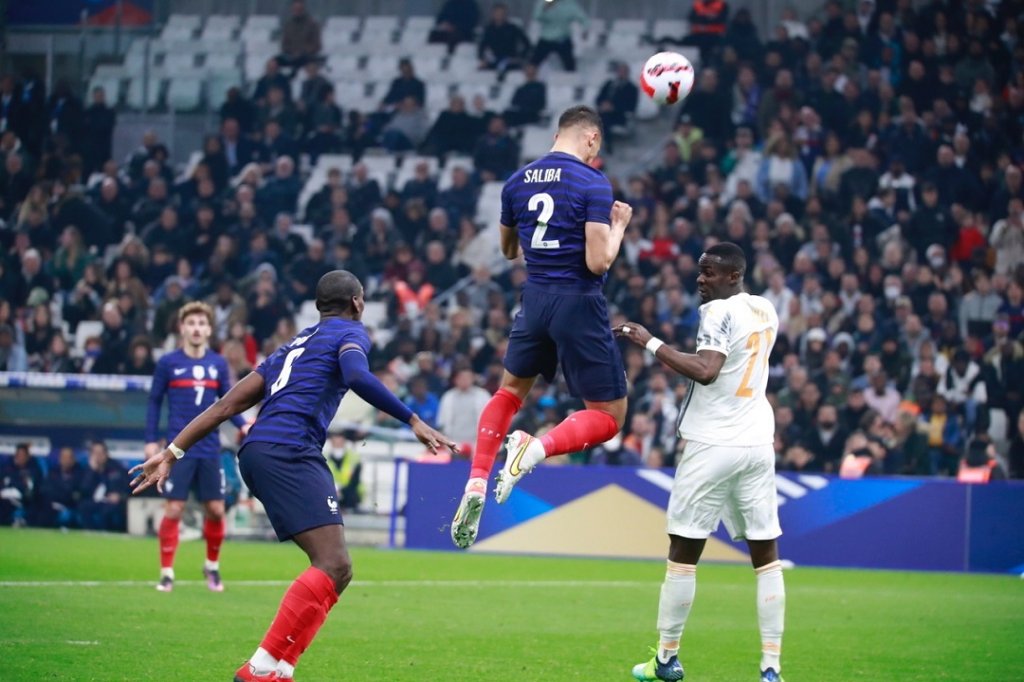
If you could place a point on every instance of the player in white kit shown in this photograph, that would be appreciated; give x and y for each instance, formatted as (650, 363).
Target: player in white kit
(727, 469)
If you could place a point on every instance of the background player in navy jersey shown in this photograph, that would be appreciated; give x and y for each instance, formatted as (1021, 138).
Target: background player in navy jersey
(559, 213)
(191, 378)
(282, 460)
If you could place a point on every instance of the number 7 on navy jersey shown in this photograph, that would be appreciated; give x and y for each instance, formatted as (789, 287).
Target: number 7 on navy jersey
(546, 204)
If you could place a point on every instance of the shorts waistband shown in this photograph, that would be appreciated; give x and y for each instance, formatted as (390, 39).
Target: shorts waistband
(578, 288)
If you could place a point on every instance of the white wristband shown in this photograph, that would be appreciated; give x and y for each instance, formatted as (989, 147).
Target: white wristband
(176, 451)
(654, 344)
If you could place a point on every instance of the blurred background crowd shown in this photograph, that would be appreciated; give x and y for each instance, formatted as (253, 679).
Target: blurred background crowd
(867, 158)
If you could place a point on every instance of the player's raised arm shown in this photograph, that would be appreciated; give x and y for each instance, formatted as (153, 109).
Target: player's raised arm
(702, 366)
(356, 370)
(603, 241)
(246, 393)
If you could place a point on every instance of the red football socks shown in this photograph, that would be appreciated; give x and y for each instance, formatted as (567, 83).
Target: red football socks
(168, 536)
(213, 531)
(492, 429)
(303, 610)
(579, 431)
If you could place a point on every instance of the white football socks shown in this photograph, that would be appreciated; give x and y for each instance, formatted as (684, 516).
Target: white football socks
(262, 662)
(285, 670)
(771, 613)
(211, 565)
(167, 573)
(677, 594)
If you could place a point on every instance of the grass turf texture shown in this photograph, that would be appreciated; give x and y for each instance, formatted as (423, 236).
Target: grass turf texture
(487, 625)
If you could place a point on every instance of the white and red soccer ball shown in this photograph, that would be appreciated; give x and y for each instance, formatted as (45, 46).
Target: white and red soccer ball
(667, 77)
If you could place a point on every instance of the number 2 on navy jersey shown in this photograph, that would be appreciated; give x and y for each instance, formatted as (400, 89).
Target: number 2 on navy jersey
(546, 203)
(286, 370)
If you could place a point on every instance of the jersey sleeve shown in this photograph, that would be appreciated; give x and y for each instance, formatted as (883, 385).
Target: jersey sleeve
(508, 218)
(599, 201)
(715, 328)
(157, 391)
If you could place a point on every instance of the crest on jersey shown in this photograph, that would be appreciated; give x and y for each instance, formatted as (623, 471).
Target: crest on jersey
(198, 372)
(332, 504)
(213, 371)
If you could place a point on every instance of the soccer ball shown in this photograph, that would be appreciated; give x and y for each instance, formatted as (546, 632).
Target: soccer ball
(667, 77)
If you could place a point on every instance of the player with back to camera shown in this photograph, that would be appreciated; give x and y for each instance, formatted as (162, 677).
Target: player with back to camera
(191, 378)
(282, 462)
(727, 469)
(559, 213)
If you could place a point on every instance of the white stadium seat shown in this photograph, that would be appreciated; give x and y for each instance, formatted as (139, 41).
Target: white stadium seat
(424, 23)
(670, 28)
(184, 92)
(380, 25)
(137, 99)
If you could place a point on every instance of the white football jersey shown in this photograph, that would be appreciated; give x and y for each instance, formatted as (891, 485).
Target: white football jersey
(733, 409)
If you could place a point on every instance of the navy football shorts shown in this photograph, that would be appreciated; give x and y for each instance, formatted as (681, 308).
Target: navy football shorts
(203, 473)
(294, 485)
(562, 327)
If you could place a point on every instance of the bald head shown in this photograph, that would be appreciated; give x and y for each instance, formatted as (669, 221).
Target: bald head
(339, 292)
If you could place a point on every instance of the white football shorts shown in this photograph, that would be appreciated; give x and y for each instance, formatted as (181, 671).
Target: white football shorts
(735, 485)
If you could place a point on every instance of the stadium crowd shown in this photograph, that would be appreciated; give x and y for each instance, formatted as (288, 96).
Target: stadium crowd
(867, 160)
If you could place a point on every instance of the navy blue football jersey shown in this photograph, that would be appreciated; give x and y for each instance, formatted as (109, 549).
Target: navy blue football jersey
(191, 385)
(304, 384)
(550, 202)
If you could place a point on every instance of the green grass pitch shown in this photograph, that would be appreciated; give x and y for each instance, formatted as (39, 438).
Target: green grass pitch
(89, 612)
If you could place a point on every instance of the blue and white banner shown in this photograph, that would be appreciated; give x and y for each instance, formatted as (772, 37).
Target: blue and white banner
(890, 523)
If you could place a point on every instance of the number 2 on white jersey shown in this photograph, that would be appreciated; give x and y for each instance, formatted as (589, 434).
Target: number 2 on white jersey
(547, 209)
(286, 371)
(756, 345)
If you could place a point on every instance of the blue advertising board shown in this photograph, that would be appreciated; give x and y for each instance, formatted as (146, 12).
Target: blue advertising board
(885, 523)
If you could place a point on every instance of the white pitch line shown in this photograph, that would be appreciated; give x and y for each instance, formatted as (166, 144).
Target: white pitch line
(356, 583)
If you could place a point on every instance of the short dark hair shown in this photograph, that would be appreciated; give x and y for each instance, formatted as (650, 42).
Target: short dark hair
(580, 115)
(335, 291)
(730, 256)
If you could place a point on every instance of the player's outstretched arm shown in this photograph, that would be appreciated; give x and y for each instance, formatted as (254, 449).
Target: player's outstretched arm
(244, 394)
(356, 370)
(603, 241)
(702, 366)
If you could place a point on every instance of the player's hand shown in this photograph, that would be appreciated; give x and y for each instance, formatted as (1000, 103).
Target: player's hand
(634, 332)
(156, 469)
(622, 213)
(431, 437)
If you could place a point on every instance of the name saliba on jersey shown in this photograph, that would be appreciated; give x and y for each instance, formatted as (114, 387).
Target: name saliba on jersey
(542, 175)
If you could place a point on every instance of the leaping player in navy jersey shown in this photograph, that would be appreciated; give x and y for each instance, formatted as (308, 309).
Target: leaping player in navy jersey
(559, 213)
(191, 378)
(282, 462)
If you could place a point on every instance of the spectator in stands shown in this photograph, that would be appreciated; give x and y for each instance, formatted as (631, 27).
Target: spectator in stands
(945, 437)
(281, 193)
(407, 128)
(64, 113)
(503, 45)
(405, 85)
(709, 107)
(271, 78)
(708, 22)
(556, 18)
(306, 271)
(497, 155)
(780, 168)
(103, 501)
(616, 102)
(363, 193)
(325, 126)
(456, 22)
(15, 182)
(21, 489)
(98, 125)
(237, 106)
(529, 99)
(278, 111)
(62, 490)
(300, 38)
(448, 132)
(460, 406)
(1007, 238)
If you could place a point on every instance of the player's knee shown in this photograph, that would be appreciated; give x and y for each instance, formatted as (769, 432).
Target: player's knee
(339, 568)
(174, 511)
